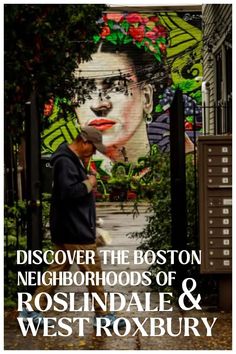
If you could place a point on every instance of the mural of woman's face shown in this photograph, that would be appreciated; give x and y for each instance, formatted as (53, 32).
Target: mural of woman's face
(115, 107)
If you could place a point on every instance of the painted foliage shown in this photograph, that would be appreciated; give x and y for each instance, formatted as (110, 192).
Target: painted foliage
(127, 88)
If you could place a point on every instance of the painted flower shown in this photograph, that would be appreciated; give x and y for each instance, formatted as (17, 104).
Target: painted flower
(137, 33)
(134, 18)
(48, 107)
(105, 32)
(160, 31)
(151, 34)
(152, 48)
(145, 19)
(115, 17)
(134, 25)
(162, 47)
(154, 19)
(151, 24)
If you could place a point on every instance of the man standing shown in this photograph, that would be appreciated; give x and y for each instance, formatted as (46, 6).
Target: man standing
(73, 217)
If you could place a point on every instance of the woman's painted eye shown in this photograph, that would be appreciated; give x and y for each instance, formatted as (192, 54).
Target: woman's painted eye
(114, 88)
(117, 86)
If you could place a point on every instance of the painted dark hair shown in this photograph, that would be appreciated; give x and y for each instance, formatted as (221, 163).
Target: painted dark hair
(147, 68)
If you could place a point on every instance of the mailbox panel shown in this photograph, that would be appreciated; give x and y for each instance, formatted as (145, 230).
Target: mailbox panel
(215, 196)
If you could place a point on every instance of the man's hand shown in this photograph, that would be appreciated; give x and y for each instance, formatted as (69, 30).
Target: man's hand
(93, 180)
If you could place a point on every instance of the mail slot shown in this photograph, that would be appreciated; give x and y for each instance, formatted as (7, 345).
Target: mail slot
(219, 232)
(219, 182)
(219, 150)
(219, 171)
(219, 242)
(219, 253)
(217, 265)
(215, 198)
(219, 161)
(219, 222)
(219, 201)
(220, 211)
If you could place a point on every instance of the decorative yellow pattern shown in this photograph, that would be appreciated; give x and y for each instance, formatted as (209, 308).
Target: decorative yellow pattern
(184, 51)
(58, 133)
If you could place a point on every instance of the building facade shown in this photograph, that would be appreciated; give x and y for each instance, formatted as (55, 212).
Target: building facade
(217, 68)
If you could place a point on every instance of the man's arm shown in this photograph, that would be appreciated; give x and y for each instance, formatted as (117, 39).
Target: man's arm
(66, 181)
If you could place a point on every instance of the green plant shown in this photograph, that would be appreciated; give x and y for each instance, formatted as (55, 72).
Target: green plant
(15, 238)
(156, 234)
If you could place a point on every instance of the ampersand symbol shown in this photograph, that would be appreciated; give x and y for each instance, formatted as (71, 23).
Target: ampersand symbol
(187, 292)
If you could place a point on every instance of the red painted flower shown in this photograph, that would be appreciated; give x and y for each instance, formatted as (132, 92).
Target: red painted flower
(188, 126)
(162, 47)
(153, 18)
(145, 19)
(48, 107)
(160, 31)
(134, 18)
(138, 24)
(151, 34)
(105, 32)
(137, 33)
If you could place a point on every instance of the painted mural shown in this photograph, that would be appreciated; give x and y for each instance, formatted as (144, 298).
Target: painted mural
(126, 90)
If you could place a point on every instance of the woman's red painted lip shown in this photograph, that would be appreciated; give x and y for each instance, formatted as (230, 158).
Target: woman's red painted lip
(102, 123)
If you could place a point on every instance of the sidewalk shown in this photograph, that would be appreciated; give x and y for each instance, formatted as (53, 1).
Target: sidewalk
(119, 224)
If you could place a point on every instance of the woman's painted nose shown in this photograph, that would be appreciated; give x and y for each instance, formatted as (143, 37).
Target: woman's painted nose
(101, 106)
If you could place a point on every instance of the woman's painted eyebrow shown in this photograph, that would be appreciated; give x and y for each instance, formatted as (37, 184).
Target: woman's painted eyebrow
(111, 79)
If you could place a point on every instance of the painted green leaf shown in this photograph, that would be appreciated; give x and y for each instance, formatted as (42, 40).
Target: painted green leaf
(138, 44)
(112, 38)
(197, 96)
(110, 24)
(158, 51)
(125, 25)
(187, 85)
(120, 36)
(127, 40)
(96, 38)
(162, 40)
(189, 119)
(157, 56)
(158, 108)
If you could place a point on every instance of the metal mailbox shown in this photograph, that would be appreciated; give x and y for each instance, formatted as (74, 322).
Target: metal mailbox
(215, 198)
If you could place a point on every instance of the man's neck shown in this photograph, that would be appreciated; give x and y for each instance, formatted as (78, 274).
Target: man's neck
(74, 148)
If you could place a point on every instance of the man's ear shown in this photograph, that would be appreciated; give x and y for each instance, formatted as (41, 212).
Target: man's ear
(147, 98)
